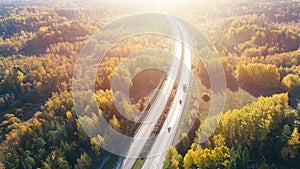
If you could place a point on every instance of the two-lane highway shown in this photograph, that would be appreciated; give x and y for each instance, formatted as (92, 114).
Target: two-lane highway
(170, 126)
(144, 131)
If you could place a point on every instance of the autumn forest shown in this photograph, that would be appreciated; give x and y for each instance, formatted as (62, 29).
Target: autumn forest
(258, 43)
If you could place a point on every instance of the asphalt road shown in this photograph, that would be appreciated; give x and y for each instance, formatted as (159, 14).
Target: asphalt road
(145, 129)
(170, 126)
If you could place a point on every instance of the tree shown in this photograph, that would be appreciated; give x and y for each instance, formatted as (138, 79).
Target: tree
(95, 143)
(173, 159)
(28, 161)
(39, 142)
(292, 82)
(56, 159)
(207, 158)
(189, 159)
(185, 140)
(239, 158)
(252, 124)
(12, 159)
(84, 161)
(114, 122)
(292, 149)
(286, 133)
(258, 74)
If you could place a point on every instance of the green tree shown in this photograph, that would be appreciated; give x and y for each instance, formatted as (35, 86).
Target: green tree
(28, 161)
(292, 149)
(286, 133)
(239, 158)
(12, 159)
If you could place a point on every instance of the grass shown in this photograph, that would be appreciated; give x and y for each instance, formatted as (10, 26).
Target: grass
(138, 164)
(238, 99)
(111, 162)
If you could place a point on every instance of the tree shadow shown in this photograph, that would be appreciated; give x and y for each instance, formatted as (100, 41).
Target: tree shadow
(261, 91)
(231, 82)
(36, 46)
(294, 97)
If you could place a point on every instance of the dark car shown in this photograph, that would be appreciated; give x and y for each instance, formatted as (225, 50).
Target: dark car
(184, 88)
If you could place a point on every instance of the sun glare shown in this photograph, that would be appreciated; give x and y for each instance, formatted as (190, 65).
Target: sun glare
(150, 2)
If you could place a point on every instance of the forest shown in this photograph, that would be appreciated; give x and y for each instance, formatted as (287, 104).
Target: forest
(259, 46)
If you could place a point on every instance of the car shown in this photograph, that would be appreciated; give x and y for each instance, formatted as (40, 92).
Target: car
(165, 68)
(169, 129)
(184, 88)
(180, 101)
